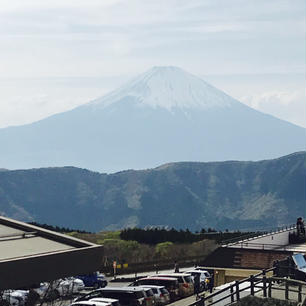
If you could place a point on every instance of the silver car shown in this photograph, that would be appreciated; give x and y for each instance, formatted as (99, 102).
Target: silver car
(161, 294)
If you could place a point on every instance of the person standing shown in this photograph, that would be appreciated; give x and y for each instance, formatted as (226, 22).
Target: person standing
(211, 282)
(197, 284)
(176, 267)
(300, 227)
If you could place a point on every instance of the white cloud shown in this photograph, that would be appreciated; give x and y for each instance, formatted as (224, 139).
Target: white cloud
(37, 99)
(286, 105)
(125, 37)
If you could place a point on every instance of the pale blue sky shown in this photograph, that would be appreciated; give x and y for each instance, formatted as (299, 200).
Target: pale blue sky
(56, 54)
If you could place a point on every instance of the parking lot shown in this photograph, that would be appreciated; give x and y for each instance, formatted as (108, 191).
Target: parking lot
(65, 292)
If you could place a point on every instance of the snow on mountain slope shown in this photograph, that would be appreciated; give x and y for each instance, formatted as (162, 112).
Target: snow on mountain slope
(164, 115)
(168, 87)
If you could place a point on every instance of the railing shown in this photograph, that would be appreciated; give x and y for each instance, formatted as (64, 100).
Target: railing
(262, 246)
(253, 236)
(243, 237)
(255, 284)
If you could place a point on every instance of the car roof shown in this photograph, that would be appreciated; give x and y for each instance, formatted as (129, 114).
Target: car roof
(130, 289)
(89, 303)
(152, 286)
(160, 277)
(176, 274)
(200, 268)
(195, 271)
(104, 299)
(145, 287)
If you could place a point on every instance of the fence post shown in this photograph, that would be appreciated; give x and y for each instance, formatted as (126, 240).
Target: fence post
(252, 284)
(201, 301)
(264, 283)
(300, 293)
(269, 288)
(286, 291)
(232, 294)
(237, 290)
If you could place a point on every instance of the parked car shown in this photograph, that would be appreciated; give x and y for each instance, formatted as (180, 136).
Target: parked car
(170, 283)
(90, 303)
(185, 281)
(149, 296)
(204, 280)
(59, 288)
(113, 302)
(15, 297)
(70, 286)
(96, 280)
(161, 294)
(198, 268)
(127, 296)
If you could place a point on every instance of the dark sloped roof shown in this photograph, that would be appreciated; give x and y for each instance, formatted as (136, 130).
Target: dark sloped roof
(30, 254)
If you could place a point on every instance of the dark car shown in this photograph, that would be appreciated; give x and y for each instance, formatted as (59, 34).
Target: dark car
(96, 280)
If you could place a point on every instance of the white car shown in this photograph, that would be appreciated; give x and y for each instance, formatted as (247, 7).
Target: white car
(90, 303)
(204, 277)
(112, 302)
(59, 288)
(70, 286)
(15, 297)
(207, 274)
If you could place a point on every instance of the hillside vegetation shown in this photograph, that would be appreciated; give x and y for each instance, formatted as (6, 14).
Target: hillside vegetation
(131, 251)
(220, 195)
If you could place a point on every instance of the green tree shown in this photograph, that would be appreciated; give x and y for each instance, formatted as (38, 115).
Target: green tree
(163, 249)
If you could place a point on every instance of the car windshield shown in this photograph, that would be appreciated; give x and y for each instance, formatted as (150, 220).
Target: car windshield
(164, 291)
(188, 279)
(180, 280)
(149, 292)
(92, 295)
(122, 294)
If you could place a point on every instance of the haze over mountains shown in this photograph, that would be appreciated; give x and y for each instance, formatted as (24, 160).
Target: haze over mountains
(223, 195)
(164, 115)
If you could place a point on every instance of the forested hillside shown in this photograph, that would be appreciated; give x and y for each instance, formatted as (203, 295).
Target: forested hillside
(220, 195)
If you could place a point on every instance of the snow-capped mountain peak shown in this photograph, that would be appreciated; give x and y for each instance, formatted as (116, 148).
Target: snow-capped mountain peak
(168, 87)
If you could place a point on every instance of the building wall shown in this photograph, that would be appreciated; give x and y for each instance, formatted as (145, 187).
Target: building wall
(260, 259)
(227, 275)
(27, 271)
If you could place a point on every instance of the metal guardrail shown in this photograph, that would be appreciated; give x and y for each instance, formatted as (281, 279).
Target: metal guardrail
(257, 283)
(258, 234)
(262, 246)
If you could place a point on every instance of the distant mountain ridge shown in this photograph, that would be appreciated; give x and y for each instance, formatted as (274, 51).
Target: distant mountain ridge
(164, 115)
(194, 195)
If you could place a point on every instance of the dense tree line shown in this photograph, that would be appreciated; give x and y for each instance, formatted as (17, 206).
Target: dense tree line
(58, 228)
(158, 235)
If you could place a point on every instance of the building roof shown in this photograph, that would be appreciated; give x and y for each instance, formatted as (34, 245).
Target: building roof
(30, 254)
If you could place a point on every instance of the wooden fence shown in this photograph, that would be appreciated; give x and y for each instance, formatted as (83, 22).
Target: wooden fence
(258, 283)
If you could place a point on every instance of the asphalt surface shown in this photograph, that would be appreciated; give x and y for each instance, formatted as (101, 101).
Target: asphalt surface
(125, 280)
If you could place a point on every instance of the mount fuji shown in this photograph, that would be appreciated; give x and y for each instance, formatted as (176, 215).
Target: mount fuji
(164, 115)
